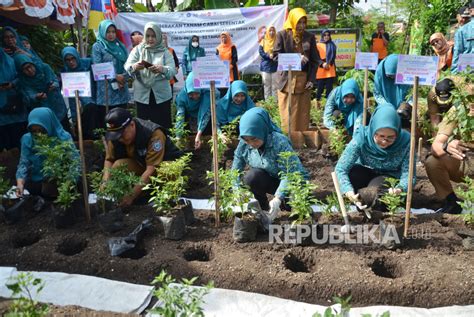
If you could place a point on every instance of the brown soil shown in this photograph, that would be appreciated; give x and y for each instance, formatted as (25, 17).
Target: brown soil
(424, 272)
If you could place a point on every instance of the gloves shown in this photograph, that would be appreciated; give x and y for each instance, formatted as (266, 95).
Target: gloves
(354, 198)
(394, 191)
(275, 204)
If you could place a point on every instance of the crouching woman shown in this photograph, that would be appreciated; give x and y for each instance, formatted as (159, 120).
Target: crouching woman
(377, 151)
(261, 143)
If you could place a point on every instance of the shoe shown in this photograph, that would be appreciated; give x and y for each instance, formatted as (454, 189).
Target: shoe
(450, 207)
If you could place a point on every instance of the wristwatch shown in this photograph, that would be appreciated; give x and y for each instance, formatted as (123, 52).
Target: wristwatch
(445, 147)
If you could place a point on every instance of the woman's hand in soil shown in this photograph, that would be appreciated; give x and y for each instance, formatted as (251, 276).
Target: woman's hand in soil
(20, 187)
(198, 141)
(394, 191)
(274, 204)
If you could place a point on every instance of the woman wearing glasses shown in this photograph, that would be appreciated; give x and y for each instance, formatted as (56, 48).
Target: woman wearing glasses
(443, 49)
(377, 151)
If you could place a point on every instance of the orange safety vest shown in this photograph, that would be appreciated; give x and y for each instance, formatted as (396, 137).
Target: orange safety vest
(226, 55)
(379, 47)
(324, 73)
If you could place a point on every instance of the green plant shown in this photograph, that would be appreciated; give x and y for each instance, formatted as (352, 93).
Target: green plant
(271, 106)
(221, 145)
(180, 133)
(230, 192)
(299, 189)
(316, 114)
(67, 194)
(359, 76)
(230, 129)
(337, 137)
(4, 183)
(465, 191)
(120, 184)
(99, 143)
(391, 200)
(330, 204)
(463, 98)
(169, 184)
(22, 287)
(179, 300)
(345, 308)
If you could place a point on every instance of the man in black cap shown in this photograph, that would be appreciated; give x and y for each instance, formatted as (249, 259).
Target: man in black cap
(440, 100)
(139, 144)
(463, 17)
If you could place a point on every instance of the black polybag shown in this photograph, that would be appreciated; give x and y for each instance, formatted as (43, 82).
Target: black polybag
(120, 245)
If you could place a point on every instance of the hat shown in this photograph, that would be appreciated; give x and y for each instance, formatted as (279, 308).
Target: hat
(443, 90)
(116, 121)
(464, 12)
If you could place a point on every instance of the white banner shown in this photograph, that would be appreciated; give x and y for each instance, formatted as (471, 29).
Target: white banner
(242, 23)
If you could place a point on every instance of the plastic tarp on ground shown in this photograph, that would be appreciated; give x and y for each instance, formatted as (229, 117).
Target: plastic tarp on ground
(85, 291)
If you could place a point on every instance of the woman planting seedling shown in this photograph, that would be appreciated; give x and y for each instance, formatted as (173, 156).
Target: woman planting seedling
(261, 143)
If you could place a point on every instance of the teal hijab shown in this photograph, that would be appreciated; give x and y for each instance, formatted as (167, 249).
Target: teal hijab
(115, 47)
(83, 64)
(7, 75)
(256, 123)
(45, 118)
(227, 110)
(194, 52)
(385, 116)
(39, 82)
(393, 93)
(19, 43)
(351, 111)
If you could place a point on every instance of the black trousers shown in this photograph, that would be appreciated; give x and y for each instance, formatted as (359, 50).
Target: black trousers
(10, 135)
(361, 177)
(261, 184)
(158, 113)
(322, 84)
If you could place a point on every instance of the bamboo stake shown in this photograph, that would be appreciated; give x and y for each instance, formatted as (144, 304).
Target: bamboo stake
(85, 192)
(214, 153)
(366, 88)
(290, 92)
(411, 165)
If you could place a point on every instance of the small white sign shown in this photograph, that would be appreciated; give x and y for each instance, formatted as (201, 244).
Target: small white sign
(366, 60)
(289, 59)
(207, 70)
(465, 60)
(409, 66)
(80, 82)
(102, 70)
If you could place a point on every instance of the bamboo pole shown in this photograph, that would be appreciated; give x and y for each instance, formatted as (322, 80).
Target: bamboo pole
(420, 145)
(411, 165)
(366, 88)
(214, 153)
(290, 93)
(340, 199)
(85, 192)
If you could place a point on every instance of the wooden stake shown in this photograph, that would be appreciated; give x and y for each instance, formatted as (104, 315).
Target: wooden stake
(214, 153)
(106, 95)
(420, 145)
(85, 192)
(366, 88)
(411, 166)
(290, 93)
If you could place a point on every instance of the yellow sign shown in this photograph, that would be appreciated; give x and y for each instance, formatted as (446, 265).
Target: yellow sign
(346, 49)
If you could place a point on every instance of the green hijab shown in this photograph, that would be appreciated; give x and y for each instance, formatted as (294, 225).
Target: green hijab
(147, 52)
(115, 47)
(256, 123)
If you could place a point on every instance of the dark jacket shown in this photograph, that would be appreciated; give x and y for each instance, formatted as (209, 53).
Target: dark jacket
(267, 65)
(144, 131)
(284, 44)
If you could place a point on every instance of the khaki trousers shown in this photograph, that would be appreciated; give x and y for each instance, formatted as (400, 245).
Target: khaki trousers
(441, 171)
(132, 165)
(300, 103)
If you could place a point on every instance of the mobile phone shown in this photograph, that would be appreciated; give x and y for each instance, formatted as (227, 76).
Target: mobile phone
(146, 64)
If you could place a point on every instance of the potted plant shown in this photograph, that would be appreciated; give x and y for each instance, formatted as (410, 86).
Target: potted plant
(465, 191)
(180, 133)
(61, 167)
(166, 189)
(393, 203)
(300, 194)
(109, 194)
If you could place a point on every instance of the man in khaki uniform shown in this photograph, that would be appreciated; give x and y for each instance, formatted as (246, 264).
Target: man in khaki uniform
(449, 155)
(440, 100)
(141, 145)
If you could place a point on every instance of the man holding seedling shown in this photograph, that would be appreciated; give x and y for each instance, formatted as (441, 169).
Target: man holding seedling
(452, 151)
(141, 145)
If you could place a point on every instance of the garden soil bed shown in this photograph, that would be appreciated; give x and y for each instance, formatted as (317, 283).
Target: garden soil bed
(424, 272)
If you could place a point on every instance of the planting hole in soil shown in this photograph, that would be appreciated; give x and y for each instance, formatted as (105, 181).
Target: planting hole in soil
(71, 246)
(381, 267)
(197, 253)
(25, 239)
(296, 264)
(134, 254)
